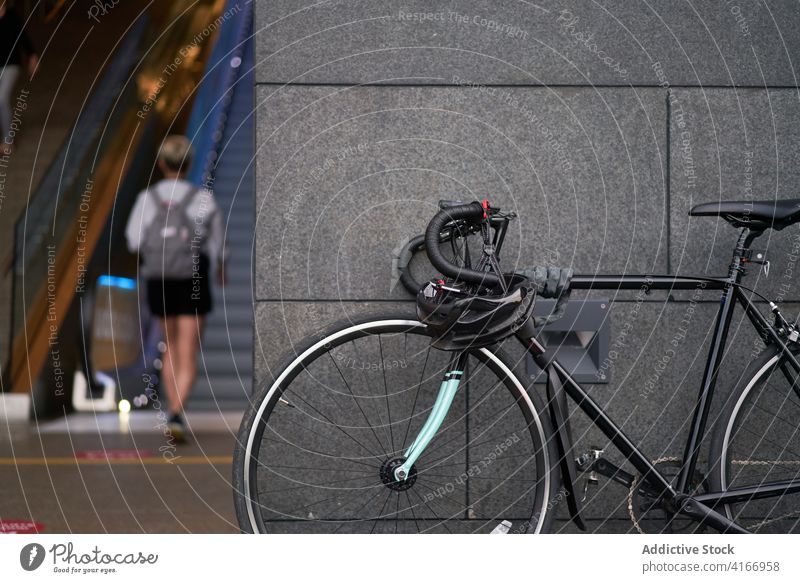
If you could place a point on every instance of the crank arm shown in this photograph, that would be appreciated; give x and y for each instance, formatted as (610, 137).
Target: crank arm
(613, 472)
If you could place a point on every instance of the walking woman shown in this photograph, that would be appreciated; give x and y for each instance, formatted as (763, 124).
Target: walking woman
(13, 41)
(176, 227)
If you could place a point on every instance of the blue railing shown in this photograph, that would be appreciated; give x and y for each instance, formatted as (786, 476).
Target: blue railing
(212, 103)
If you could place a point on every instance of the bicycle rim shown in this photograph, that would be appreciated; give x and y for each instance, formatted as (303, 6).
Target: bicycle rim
(345, 409)
(760, 445)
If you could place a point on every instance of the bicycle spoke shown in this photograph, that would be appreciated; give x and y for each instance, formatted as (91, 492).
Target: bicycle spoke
(434, 462)
(378, 493)
(776, 416)
(386, 393)
(442, 444)
(336, 457)
(339, 428)
(322, 462)
(416, 397)
(323, 486)
(318, 469)
(760, 450)
(442, 522)
(358, 404)
(380, 513)
(413, 514)
(334, 497)
(397, 514)
(762, 437)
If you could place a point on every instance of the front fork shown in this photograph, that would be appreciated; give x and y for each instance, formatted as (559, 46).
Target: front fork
(447, 391)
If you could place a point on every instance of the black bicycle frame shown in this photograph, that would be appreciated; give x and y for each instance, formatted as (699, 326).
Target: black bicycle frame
(698, 506)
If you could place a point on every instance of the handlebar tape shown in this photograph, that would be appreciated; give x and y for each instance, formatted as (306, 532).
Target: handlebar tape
(473, 213)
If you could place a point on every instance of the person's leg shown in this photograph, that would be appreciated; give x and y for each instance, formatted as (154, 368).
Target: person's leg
(8, 77)
(169, 368)
(187, 345)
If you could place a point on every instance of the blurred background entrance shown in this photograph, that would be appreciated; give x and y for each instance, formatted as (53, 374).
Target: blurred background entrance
(114, 78)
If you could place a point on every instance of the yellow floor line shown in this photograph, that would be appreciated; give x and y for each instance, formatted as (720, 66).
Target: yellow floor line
(194, 460)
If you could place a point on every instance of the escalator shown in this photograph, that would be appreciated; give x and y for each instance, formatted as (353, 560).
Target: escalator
(224, 380)
(69, 243)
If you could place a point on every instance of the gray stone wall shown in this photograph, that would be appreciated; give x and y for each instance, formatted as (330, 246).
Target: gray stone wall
(600, 124)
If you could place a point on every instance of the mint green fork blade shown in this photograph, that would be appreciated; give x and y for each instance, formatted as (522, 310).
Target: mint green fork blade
(447, 391)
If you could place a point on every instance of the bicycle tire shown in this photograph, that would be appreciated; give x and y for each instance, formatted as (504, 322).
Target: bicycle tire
(752, 443)
(249, 504)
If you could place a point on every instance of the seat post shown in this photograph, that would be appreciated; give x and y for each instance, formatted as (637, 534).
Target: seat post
(740, 253)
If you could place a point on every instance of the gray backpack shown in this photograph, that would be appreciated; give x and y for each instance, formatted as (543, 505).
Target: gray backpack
(172, 245)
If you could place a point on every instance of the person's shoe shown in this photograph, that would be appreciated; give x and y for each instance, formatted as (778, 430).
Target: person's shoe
(177, 428)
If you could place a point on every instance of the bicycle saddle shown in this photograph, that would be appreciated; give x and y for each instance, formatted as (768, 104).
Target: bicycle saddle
(754, 214)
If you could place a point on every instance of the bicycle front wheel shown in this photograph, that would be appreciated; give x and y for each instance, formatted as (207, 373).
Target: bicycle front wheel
(757, 443)
(317, 447)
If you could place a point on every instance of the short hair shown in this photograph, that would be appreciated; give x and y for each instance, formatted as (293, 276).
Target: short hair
(176, 152)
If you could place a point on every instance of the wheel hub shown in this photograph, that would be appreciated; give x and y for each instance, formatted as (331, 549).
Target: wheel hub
(387, 475)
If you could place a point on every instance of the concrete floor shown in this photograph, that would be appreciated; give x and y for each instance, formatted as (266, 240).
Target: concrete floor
(117, 473)
(107, 472)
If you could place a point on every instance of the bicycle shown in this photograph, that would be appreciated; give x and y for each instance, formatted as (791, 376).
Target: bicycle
(395, 424)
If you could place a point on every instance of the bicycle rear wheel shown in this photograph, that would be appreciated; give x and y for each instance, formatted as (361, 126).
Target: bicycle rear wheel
(318, 443)
(757, 442)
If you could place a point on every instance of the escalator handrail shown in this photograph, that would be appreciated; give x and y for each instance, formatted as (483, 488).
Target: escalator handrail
(216, 93)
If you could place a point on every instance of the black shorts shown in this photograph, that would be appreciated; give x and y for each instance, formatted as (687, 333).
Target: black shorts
(179, 297)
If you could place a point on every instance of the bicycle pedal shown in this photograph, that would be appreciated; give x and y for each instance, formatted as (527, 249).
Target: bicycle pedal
(502, 528)
(587, 459)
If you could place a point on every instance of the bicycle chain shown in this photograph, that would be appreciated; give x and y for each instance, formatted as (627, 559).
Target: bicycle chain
(633, 488)
(792, 514)
(637, 477)
(766, 463)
